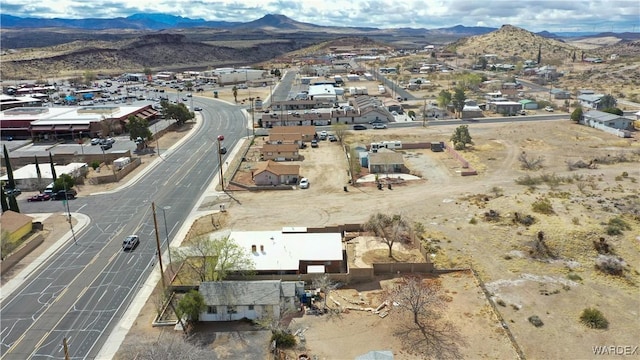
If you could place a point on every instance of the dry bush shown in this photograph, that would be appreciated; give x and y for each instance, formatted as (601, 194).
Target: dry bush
(610, 264)
(530, 163)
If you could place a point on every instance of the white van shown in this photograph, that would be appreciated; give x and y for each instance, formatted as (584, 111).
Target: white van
(48, 190)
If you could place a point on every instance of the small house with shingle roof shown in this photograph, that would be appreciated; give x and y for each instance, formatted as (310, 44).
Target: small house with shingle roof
(279, 152)
(308, 132)
(15, 224)
(615, 124)
(272, 173)
(235, 300)
(285, 138)
(386, 161)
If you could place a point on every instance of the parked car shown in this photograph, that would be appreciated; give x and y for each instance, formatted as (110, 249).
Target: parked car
(109, 140)
(130, 242)
(379, 126)
(523, 112)
(95, 141)
(69, 194)
(333, 138)
(304, 183)
(12, 192)
(314, 143)
(359, 127)
(548, 108)
(39, 197)
(106, 146)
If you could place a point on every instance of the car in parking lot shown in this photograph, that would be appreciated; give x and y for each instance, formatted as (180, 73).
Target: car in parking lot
(12, 192)
(39, 197)
(548, 108)
(359, 127)
(314, 143)
(379, 126)
(106, 146)
(130, 242)
(304, 183)
(69, 194)
(95, 141)
(333, 138)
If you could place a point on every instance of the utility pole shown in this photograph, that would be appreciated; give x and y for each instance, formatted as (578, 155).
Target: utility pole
(66, 203)
(158, 250)
(220, 138)
(252, 111)
(65, 347)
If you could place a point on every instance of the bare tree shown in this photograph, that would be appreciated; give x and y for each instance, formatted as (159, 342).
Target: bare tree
(530, 164)
(339, 130)
(325, 284)
(213, 259)
(389, 228)
(428, 333)
(172, 346)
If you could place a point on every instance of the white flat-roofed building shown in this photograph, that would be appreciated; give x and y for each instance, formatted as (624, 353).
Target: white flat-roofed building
(26, 177)
(286, 252)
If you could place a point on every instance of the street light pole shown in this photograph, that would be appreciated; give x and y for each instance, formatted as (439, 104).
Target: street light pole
(166, 231)
(252, 117)
(220, 139)
(158, 250)
(82, 144)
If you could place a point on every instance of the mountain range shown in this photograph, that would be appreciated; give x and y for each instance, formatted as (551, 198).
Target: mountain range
(269, 22)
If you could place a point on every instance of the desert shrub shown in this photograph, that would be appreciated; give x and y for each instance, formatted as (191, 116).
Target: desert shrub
(602, 246)
(616, 226)
(527, 163)
(594, 319)
(574, 277)
(535, 320)
(95, 164)
(526, 220)
(473, 221)
(528, 180)
(610, 264)
(283, 339)
(542, 206)
(625, 174)
(501, 302)
(575, 221)
(492, 215)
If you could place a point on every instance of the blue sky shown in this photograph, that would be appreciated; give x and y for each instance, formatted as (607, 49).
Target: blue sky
(533, 15)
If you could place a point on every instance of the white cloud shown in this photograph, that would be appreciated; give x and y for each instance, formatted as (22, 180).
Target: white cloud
(533, 15)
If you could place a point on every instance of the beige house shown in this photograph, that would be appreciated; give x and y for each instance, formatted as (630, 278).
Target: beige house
(285, 138)
(386, 161)
(272, 173)
(308, 132)
(16, 225)
(279, 152)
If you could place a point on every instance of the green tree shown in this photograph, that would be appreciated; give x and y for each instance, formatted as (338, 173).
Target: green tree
(213, 259)
(188, 85)
(13, 204)
(178, 112)
(390, 228)
(11, 183)
(138, 128)
(234, 90)
(89, 77)
(573, 57)
(607, 101)
(444, 99)
(539, 54)
(191, 305)
(614, 110)
(458, 100)
(147, 71)
(53, 168)
(482, 61)
(576, 115)
(63, 182)
(38, 174)
(461, 137)
(3, 198)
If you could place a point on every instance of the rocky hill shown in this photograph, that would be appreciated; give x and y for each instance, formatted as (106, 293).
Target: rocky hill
(511, 43)
(159, 51)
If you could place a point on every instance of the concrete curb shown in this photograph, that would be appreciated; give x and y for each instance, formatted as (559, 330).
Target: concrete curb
(19, 279)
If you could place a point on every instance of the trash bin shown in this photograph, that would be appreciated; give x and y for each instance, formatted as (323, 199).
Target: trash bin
(215, 94)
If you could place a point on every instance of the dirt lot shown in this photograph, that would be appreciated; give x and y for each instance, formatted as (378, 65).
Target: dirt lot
(451, 208)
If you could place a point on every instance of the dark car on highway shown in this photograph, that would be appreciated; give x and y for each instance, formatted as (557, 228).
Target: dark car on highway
(65, 195)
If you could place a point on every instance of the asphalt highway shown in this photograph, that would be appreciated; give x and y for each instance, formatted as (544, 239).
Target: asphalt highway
(82, 291)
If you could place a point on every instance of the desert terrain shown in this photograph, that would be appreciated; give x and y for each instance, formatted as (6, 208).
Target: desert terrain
(460, 231)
